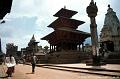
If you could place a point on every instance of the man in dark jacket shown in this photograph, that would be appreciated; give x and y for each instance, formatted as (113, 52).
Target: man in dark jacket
(33, 62)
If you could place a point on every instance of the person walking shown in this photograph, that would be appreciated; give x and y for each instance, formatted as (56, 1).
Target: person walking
(33, 62)
(10, 62)
(23, 59)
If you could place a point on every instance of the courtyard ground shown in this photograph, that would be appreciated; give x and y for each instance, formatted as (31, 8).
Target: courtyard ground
(63, 71)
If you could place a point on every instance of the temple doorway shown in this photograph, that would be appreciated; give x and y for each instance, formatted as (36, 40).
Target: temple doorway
(110, 46)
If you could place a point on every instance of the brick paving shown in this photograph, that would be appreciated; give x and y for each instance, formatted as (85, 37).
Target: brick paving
(47, 72)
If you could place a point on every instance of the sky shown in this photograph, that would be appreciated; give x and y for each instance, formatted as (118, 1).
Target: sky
(28, 17)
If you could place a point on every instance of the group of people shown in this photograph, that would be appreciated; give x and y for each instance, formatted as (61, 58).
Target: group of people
(11, 62)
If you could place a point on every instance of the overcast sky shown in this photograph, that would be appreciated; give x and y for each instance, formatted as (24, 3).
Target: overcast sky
(30, 17)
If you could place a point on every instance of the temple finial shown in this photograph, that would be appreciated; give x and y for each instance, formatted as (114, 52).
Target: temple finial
(95, 3)
(64, 7)
(33, 38)
(92, 0)
(108, 5)
(109, 8)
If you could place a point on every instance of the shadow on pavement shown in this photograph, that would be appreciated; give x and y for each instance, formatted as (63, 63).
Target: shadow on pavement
(4, 77)
(29, 73)
(94, 68)
(62, 69)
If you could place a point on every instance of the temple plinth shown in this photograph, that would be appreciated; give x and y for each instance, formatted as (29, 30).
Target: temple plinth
(65, 37)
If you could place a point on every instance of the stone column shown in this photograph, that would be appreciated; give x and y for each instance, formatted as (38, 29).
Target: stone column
(54, 48)
(79, 47)
(92, 13)
(83, 47)
(50, 47)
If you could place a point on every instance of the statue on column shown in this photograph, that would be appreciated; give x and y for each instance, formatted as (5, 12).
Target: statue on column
(92, 13)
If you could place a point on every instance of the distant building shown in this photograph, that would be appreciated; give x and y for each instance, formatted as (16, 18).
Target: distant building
(88, 48)
(11, 49)
(110, 33)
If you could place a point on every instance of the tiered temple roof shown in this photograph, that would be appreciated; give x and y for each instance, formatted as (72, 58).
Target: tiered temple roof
(65, 13)
(66, 22)
(65, 30)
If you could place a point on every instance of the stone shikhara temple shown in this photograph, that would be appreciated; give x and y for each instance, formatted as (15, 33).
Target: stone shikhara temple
(110, 33)
(110, 36)
(65, 40)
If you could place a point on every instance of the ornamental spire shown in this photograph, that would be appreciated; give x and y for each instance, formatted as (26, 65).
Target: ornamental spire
(108, 5)
(109, 9)
(92, 0)
(64, 6)
(33, 38)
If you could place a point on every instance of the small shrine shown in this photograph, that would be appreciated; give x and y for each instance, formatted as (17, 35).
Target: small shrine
(31, 49)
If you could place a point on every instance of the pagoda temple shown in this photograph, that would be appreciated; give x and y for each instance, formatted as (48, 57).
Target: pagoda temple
(65, 40)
